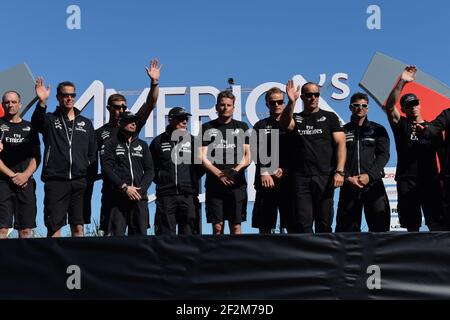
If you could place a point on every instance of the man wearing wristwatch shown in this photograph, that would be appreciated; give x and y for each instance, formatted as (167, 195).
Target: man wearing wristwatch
(367, 154)
(116, 105)
(318, 158)
(127, 167)
(225, 155)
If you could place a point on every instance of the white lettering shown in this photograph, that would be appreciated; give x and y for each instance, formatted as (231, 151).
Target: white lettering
(74, 20)
(374, 20)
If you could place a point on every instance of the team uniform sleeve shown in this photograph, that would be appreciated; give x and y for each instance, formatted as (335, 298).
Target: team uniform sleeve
(107, 157)
(335, 124)
(381, 154)
(39, 119)
(149, 171)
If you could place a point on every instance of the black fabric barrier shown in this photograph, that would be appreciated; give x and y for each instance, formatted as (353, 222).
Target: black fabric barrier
(327, 266)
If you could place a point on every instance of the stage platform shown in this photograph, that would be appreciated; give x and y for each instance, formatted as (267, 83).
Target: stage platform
(325, 266)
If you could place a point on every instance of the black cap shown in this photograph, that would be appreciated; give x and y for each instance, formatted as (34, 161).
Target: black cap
(407, 99)
(178, 112)
(127, 117)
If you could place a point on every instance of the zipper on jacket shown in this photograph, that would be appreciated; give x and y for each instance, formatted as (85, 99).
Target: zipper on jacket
(69, 139)
(357, 148)
(47, 157)
(176, 167)
(131, 164)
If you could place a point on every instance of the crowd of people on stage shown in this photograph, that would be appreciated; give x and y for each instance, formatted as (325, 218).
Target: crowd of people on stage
(306, 156)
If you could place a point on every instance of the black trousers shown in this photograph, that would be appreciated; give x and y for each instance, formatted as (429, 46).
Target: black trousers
(173, 210)
(313, 202)
(375, 202)
(267, 204)
(415, 196)
(125, 213)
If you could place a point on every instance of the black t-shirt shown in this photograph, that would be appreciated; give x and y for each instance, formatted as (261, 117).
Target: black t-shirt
(416, 156)
(225, 143)
(263, 131)
(314, 150)
(19, 141)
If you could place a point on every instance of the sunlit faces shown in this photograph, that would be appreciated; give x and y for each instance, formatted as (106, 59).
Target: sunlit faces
(412, 109)
(225, 108)
(310, 96)
(66, 97)
(116, 108)
(275, 103)
(130, 127)
(11, 103)
(179, 123)
(359, 108)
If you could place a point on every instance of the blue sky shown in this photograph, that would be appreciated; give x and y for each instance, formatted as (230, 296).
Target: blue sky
(205, 42)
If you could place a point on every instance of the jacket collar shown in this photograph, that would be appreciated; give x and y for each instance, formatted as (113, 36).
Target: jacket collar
(59, 112)
(365, 124)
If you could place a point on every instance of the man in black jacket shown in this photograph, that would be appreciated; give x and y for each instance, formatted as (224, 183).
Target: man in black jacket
(70, 151)
(417, 175)
(116, 105)
(175, 176)
(367, 154)
(128, 167)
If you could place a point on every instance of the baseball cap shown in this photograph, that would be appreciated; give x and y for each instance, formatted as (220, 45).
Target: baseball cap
(407, 99)
(178, 112)
(128, 117)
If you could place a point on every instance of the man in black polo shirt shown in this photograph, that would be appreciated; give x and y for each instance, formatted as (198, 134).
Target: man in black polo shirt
(367, 154)
(272, 184)
(417, 175)
(318, 158)
(225, 155)
(19, 158)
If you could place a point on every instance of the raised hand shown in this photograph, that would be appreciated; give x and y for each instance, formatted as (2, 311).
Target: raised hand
(41, 92)
(292, 93)
(153, 70)
(409, 74)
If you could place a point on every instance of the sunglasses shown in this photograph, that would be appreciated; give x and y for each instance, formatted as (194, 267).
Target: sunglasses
(359, 105)
(67, 95)
(181, 119)
(274, 103)
(411, 104)
(118, 107)
(311, 94)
